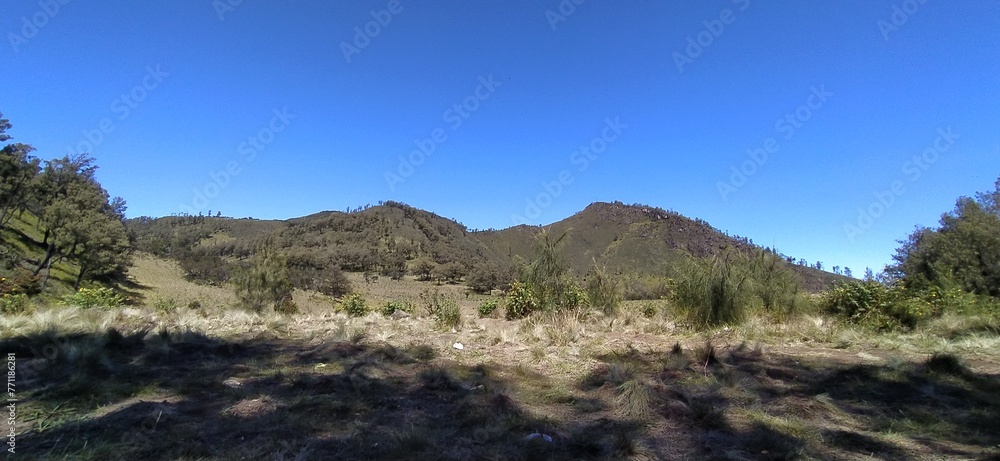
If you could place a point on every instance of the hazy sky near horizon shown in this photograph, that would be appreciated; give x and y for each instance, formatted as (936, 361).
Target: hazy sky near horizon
(826, 129)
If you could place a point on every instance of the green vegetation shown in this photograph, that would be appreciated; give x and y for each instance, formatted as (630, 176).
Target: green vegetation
(264, 282)
(354, 305)
(94, 297)
(963, 253)
(724, 289)
(488, 307)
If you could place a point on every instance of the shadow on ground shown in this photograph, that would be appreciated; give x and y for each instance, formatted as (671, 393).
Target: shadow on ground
(189, 396)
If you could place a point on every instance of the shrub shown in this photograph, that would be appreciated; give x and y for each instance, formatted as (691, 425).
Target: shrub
(390, 307)
(264, 282)
(486, 308)
(648, 310)
(94, 297)
(354, 305)
(13, 303)
(287, 307)
(431, 300)
(573, 297)
(714, 292)
(881, 307)
(521, 302)
(721, 290)
(602, 290)
(21, 282)
(165, 305)
(448, 315)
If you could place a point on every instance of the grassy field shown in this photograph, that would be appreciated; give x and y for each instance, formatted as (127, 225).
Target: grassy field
(185, 376)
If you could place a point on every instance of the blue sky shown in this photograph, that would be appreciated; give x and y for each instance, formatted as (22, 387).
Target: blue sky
(529, 110)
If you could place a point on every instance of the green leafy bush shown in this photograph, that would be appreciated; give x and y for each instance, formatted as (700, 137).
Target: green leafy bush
(94, 297)
(521, 302)
(390, 307)
(354, 305)
(882, 307)
(486, 308)
(13, 303)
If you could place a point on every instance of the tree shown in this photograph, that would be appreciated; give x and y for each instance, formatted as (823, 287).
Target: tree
(422, 268)
(847, 272)
(17, 170)
(964, 252)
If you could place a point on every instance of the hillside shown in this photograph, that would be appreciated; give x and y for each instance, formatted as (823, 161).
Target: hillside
(628, 239)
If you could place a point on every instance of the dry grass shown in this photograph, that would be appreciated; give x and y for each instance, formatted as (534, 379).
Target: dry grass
(321, 385)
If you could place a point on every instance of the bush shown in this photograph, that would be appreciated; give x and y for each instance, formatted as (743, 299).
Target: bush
(94, 297)
(881, 307)
(13, 303)
(648, 310)
(264, 282)
(521, 302)
(390, 307)
(644, 287)
(722, 290)
(354, 305)
(486, 308)
(21, 282)
(602, 291)
(448, 315)
(714, 292)
(165, 305)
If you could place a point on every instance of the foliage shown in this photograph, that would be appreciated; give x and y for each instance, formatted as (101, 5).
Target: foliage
(647, 287)
(883, 307)
(448, 315)
(264, 281)
(354, 305)
(94, 297)
(602, 290)
(13, 303)
(165, 305)
(390, 307)
(520, 301)
(721, 290)
(451, 272)
(485, 277)
(648, 310)
(317, 272)
(423, 268)
(715, 291)
(963, 253)
(204, 267)
(487, 307)
(20, 282)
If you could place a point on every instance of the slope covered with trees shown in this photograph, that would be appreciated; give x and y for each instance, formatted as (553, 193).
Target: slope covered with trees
(56, 211)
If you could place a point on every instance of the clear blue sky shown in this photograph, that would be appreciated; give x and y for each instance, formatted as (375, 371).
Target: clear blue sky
(180, 87)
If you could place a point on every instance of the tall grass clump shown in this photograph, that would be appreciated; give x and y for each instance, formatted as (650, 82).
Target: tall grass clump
(264, 281)
(723, 289)
(603, 291)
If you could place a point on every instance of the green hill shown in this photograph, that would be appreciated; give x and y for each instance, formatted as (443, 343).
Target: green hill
(628, 239)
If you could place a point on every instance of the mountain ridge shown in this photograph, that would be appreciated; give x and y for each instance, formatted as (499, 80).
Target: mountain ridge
(628, 239)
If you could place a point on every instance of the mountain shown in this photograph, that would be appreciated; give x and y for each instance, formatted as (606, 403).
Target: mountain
(627, 239)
